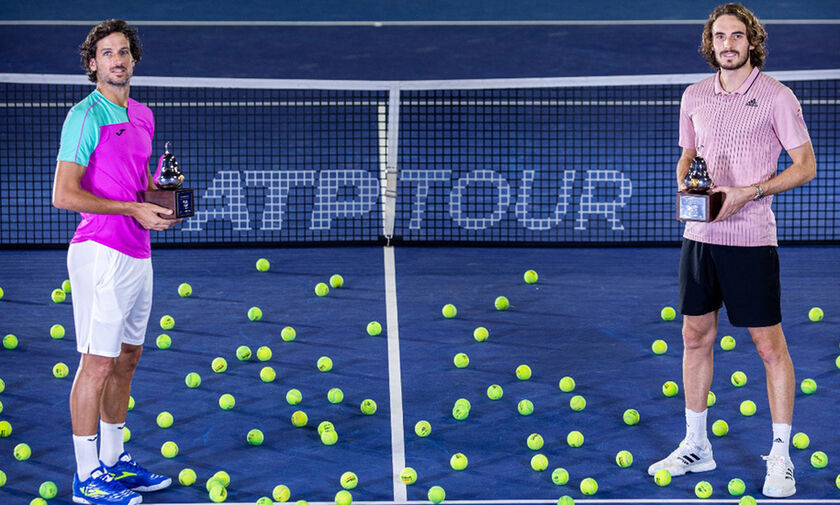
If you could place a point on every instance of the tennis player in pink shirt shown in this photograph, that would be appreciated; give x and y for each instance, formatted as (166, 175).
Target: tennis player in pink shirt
(738, 120)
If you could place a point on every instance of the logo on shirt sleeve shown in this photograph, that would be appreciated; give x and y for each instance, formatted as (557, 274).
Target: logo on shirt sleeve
(123, 129)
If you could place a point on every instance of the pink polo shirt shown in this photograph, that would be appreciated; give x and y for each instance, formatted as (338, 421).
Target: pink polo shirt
(741, 135)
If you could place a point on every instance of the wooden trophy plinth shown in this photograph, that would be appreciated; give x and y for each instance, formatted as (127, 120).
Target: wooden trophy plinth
(180, 201)
(700, 206)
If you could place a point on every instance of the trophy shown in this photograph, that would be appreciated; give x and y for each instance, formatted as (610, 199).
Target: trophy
(168, 178)
(696, 203)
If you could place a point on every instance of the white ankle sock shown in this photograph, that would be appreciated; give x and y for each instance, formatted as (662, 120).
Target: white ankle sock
(111, 445)
(86, 460)
(695, 426)
(781, 438)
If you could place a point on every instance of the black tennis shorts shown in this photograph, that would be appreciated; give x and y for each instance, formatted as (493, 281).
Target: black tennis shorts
(746, 279)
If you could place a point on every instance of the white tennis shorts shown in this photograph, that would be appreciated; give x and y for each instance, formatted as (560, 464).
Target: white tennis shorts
(112, 297)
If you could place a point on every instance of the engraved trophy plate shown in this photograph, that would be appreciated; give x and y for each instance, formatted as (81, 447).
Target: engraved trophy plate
(697, 203)
(168, 179)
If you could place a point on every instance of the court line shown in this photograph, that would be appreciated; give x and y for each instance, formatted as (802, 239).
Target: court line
(378, 24)
(541, 502)
(394, 376)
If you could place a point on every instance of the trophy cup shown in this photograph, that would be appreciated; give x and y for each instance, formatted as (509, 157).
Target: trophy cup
(168, 178)
(696, 203)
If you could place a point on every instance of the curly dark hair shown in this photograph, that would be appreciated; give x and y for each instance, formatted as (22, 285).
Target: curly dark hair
(87, 51)
(756, 34)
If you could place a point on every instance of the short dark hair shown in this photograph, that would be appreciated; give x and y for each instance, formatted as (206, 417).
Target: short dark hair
(756, 34)
(87, 51)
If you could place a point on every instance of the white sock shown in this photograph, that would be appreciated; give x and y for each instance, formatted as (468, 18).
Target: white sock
(781, 438)
(111, 445)
(695, 426)
(86, 460)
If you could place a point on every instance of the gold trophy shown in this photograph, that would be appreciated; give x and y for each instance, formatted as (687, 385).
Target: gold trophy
(697, 203)
(168, 179)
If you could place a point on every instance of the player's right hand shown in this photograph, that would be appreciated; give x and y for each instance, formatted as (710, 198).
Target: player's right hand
(148, 215)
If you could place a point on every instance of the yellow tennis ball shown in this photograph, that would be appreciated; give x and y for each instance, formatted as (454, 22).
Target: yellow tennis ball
(738, 379)
(58, 295)
(436, 494)
(187, 477)
(1, 297)
(22, 452)
(255, 313)
(525, 407)
(727, 343)
(65, 286)
(720, 428)
(460, 412)
(47, 490)
(711, 399)
(837, 481)
(10, 342)
(218, 493)
(264, 353)
(368, 407)
(5, 429)
(668, 313)
(167, 322)
(662, 477)
(163, 341)
(747, 408)
(227, 401)
(329, 437)
(281, 493)
(501, 303)
(566, 384)
(458, 461)
(294, 396)
(481, 334)
(495, 392)
(560, 476)
(264, 500)
(577, 403)
(348, 480)
(322, 289)
(343, 498)
(801, 441)
(815, 314)
(288, 334)
(523, 372)
(574, 439)
(126, 434)
(421, 429)
(659, 346)
(808, 386)
(374, 328)
(57, 331)
(38, 501)
(60, 370)
(747, 500)
(589, 486)
(325, 426)
(535, 441)
(819, 459)
(243, 353)
(736, 487)
(670, 388)
(192, 380)
(408, 476)
(336, 281)
(539, 462)
(530, 277)
(324, 363)
(703, 489)
(255, 437)
(169, 449)
(461, 360)
(299, 418)
(184, 289)
(267, 374)
(263, 265)
(130, 403)
(449, 311)
(165, 419)
(335, 395)
(223, 477)
(624, 459)
(219, 364)
(213, 481)
(630, 417)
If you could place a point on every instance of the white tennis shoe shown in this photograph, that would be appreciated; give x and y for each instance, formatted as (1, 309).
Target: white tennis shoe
(687, 458)
(779, 482)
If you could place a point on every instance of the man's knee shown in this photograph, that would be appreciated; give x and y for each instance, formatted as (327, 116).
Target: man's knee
(128, 359)
(699, 331)
(770, 344)
(96, 369)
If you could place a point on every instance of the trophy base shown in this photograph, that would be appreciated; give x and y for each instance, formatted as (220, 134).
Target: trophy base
(703, 207)
(178, 200)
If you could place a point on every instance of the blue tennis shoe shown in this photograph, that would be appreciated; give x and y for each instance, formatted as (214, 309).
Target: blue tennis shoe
(127, 472)
(101, 489)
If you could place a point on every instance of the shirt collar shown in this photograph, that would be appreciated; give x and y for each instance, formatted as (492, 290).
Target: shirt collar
(741, 89)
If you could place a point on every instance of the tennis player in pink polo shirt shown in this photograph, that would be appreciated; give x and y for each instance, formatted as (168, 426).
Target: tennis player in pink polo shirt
(103, 165)
(738, 120)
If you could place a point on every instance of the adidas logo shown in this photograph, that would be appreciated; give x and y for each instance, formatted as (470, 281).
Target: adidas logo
(752, 103)
(778, 441)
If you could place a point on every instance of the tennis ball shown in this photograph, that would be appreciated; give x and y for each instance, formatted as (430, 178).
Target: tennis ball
(747, 407)
(255, 437)
(264, 500)
(461, 360)
(227, 401)
(1, 293)
(449, 311)
(662, 477)
(460, 412)
(501, 303)
(264, 353)
(348, 480)
(336, 281)
(530, 277)
(325, 426)
(818, 459)
(525, 407)
(577, 403)
(2, 478)
(288, 334)
(374, 328)
(436, 494)
(421, 429)
(566, 384)
(219, 365)
(187, 477)
(837, 361)
(801, 441)
(463, 402)
(324, 364)
(566, 500)
(223, 477)
(65, 286)
(495, 392)
(255, 314)
(184, 289)
(193, 380)
(267, 374)
(293, 396)
(727, 343)
(1, 407)
(481, 334)
(299, 418)
(368, 407)
(523, 372)
(218, 493)
(670, 388)
(322, 289)
(130, 403)
(736, 487)
(535, 441)
(711, 399)
(5, 429)
(624, 459)
(10, 342)
(58, 296)
(738, 379)
(167, 322)
(815, 314)
(659, 346)
(57, 331)
(335, 395)
(458, 461)
(631, 417)
(589, 486)
(47, 490)
(329, 437)
(243, 353)
(720, 428)
(281, 493)
(38, 501)
(703, 489)
(808, 386)
(668, 313)
(747, 500)
(560, 476)
(574, 439)
(126, 434)
(2, 386)
(836, 481)
(169, 449)
(343, 497)
(408, 476)
(60, 370)
(165, 419)
(212, 482)
(539, 462)
(263, 265)
(163, 341)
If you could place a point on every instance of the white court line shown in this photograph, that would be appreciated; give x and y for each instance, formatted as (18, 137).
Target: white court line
(378, 24)
(394, 376)
(535, 502)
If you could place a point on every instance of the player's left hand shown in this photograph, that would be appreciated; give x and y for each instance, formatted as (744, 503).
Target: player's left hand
(736, 197)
